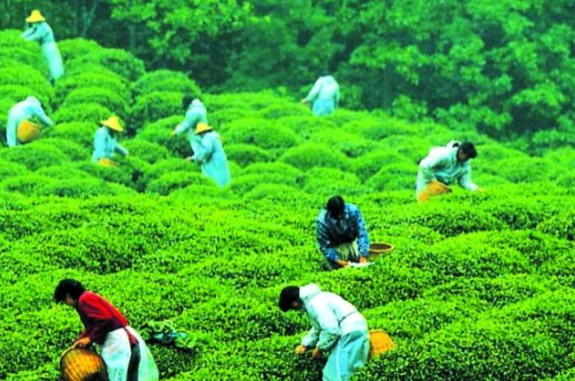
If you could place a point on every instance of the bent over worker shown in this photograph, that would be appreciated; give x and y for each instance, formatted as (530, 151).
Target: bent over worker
(195, 113)
(336, 327)
(125, 353)
(105, 143)
(341, 234)
(22, 111)
(445, 166)
(40, 31)
(324, 95)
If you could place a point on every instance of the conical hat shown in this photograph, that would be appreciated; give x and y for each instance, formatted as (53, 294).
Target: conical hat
(202, 127)
(113, 122)
(35, 16)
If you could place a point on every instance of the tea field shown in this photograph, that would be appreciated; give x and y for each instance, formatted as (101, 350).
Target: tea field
(480, 285)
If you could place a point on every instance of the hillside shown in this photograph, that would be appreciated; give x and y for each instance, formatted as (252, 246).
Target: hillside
(479, 287)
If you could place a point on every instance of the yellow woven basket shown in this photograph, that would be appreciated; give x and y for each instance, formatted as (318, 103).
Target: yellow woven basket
(80, 364)
(380, 342)
(107, 162)
(27, 131)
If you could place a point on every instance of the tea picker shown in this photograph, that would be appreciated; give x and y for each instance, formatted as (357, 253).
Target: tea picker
(105, 144)
(341, 234)
(444, 166)
(337, 328)
(123, 350)
(324, 95)
(20, 129)
(40, 31)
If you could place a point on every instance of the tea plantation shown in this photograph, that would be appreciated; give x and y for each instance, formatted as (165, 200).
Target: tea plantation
(480, 285)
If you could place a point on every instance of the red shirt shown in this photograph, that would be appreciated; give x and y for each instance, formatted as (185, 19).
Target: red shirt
(99, 317)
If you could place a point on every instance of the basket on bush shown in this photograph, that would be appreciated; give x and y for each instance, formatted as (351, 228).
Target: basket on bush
(380, 342)
(27, 131)
(380, 248)
(80, 364)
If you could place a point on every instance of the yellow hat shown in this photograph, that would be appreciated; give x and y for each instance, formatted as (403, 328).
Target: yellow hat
(35, 16)
(202, 127)
(113, 122)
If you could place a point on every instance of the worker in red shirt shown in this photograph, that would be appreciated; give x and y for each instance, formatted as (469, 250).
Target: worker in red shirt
(125, 353)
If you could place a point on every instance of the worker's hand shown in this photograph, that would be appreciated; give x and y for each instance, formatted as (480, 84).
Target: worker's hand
(362, 260)
(316, 353)
(190, 158)
(82, 343)
(342, 263)
(304, 101)
(300, 349)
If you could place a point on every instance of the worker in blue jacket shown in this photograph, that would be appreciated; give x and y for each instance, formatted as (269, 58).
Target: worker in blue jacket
(105, 144)
(341, 234)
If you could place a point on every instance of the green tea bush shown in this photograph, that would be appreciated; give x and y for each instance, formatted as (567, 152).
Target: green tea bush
(280, 110)
(27, 184)
(17, 93)
(560, 225)
(171, 181)
(245, 154)
(261, 133)
(165, 80)
(413, 148)
(154, 106)
(522, 170)
(272, 168)
(350, 144)
(225, 116)
(9, 169)
(103, 97)
(164, 166)
(74, 151)
(35, 155)
(27, 76)
(146, 151)
(106, 81)
(378, 129)
(119, 61)
(309, 155)
(121, 174)
(77, 188)
(78, 47)
(246, 182)
(87, 112)
(307, 126)
(394, 177)
(159, 132)
(81, 133)
(331, 181)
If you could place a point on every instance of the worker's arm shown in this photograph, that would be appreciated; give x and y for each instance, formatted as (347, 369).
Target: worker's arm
(38, 111)
(189, 121)
(36, 33)
(329, 330)
(465, 180)
(121, 149)
(207, 148)
(336, 96)
(313, 93)
(311, 338)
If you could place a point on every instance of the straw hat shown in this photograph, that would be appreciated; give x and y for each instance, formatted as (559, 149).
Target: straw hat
(113, 122)
(35, 16)
(202, 127)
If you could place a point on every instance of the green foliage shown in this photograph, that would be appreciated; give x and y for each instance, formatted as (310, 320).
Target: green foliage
(245, 154)
(119, 61)
(166, 80)
(146, 151)
(107, 81)
(261, 133)
(81, 133)
(86, 112)
(309, 155)
(35, 155)
(154, 106)
(103, 97)
(78, 47)
(171, 181)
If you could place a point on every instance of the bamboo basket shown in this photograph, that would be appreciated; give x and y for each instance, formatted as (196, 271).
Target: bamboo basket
(380, 342)
(376, 249)
(27, 131)
(80, 364)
